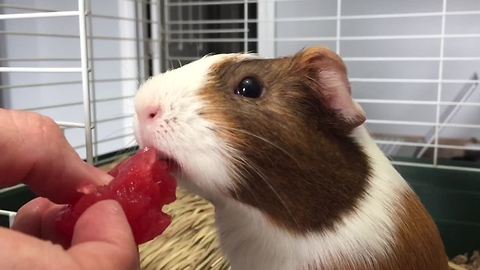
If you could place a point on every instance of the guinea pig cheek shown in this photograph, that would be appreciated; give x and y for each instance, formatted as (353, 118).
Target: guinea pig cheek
(221, 165)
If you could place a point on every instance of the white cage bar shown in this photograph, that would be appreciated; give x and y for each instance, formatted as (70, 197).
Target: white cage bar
(338, 37)
(174, 30)
(10, 214)
(83, 70)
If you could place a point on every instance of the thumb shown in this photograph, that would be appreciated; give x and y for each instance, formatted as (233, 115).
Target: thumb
(103, 239)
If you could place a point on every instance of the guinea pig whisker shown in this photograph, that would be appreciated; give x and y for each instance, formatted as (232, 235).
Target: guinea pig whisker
(131, 143)
(245, 163)
(239, 174)
(117, 131)
(270, 186)
(264, 140)
(310, 79)
(128, 147)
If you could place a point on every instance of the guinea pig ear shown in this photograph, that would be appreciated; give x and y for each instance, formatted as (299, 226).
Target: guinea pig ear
(330, 81)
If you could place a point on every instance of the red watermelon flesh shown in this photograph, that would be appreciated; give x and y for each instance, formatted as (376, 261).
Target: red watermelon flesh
(142, 185)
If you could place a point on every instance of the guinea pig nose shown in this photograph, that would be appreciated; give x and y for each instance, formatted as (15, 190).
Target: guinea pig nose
(153, 112)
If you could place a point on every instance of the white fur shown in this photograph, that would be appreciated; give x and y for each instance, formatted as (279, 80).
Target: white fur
(189, 139)
(252, 242)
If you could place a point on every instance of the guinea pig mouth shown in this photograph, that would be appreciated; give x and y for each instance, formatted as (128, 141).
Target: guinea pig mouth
(171, 162)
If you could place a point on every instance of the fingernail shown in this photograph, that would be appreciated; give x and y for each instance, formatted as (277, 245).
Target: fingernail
(87, 189)
(106, 178)
(39, 203)
(103, 177)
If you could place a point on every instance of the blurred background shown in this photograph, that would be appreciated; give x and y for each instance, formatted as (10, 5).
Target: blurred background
(413, 66)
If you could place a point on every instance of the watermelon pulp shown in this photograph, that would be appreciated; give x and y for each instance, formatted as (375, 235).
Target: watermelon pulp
(142, 185)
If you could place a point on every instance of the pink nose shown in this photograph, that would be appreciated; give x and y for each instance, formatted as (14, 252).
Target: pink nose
(153, 112)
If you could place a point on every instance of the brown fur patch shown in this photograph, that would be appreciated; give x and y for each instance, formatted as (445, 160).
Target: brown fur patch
(416, 245)
(295, 160)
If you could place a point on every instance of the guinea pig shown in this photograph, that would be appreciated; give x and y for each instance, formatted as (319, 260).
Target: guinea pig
(280, 148)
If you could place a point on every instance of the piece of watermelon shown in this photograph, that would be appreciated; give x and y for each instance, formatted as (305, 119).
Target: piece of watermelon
(142, 185)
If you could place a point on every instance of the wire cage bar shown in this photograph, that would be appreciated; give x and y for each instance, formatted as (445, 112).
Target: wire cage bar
(81, 14)
(178, 32)
(82, 24)
(10, 214)
(218, 32)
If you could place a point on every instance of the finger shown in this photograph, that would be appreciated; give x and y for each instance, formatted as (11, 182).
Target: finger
(49, 229)
(22, 252)
(103, 234)
(29, 217)
(37, 218)
(102, 240)
(35, 151)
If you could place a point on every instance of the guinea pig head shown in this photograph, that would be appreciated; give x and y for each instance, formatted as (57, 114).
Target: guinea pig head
(270, 133)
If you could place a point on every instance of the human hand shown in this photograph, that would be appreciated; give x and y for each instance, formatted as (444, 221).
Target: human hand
(35, 152)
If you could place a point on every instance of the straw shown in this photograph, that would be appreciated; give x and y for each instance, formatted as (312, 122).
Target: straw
(191, 240)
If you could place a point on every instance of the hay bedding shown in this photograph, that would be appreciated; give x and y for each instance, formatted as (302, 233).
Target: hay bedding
(465, 262)
(190, 242)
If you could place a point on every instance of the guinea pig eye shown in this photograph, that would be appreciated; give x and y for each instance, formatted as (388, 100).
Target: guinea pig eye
(249, 87)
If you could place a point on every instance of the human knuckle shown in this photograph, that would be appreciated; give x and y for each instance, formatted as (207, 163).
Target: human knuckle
(48, 126)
